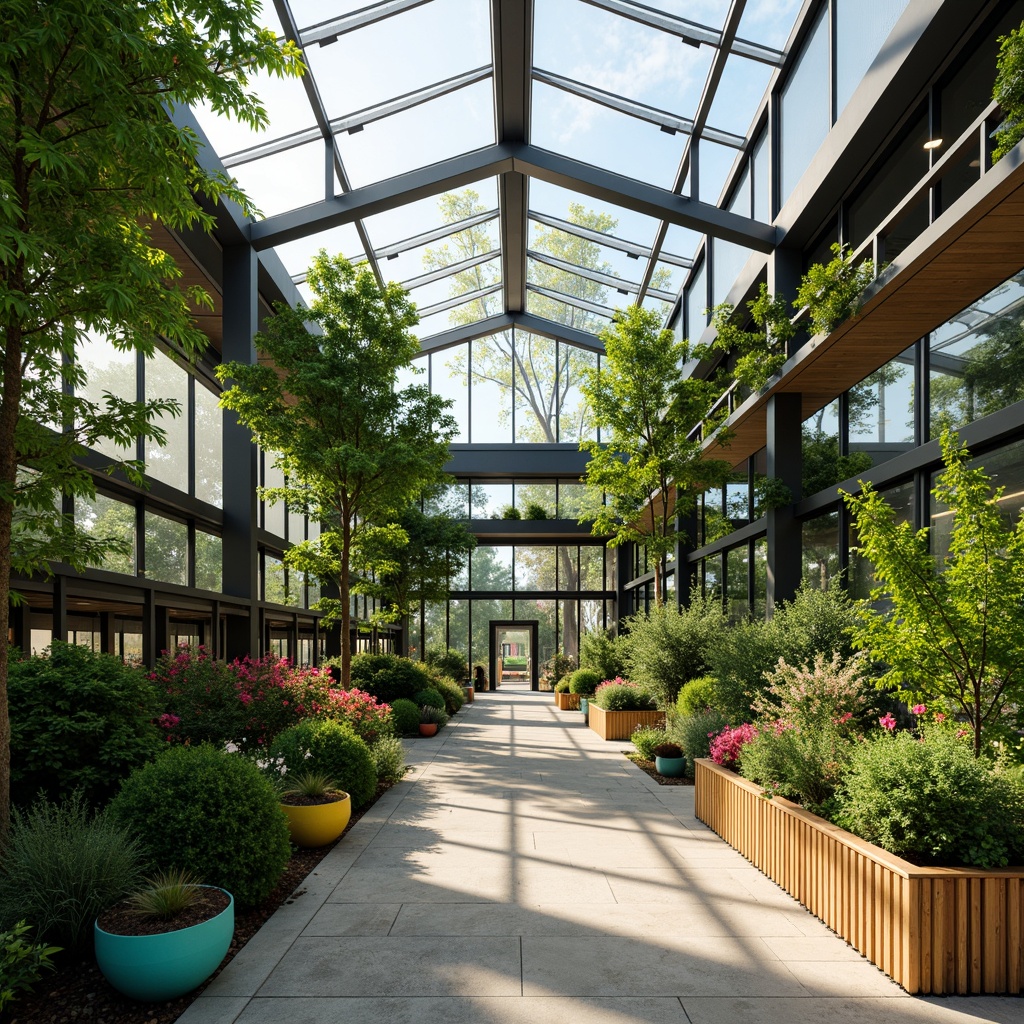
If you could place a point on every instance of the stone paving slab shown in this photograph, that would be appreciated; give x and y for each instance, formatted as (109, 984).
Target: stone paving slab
(525, 872)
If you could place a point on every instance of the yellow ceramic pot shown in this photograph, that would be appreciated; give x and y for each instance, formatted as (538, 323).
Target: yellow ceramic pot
(318, 824)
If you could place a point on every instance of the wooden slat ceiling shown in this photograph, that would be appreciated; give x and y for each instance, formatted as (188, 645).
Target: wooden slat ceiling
(973, 247)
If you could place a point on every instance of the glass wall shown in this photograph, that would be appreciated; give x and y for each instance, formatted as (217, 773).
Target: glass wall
(861, 575)
(819, 541)
(861, 28)
(165, 379)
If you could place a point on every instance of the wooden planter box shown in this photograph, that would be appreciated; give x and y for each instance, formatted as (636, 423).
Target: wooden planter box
(936, 931)
(619, 725)
(567, 701)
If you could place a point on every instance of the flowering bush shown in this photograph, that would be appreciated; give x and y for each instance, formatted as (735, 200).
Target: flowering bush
(619, 695)
(727, 746)
(369, 717)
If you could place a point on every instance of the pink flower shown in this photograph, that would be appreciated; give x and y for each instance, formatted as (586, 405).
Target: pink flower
(939, 717)
(918, 709)
(887, 722)
(167, 721)
(245, 698)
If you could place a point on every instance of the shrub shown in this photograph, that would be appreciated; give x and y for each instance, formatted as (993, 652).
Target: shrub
(430, 696)
(389, 677)
(694, 733)
(584, 682)
(645, 738)
(619, 695)
(451, 693)
(64, 864)
(602, 652)
(510, 512)
(211, 813)
(333, 750)
(21, 962)
(1008, 92)
(78, 721)
(696, 696)
(727, 746)
(668, 646)
(369, 717)
(557, 669)
(933, 802)
(389, 759)
(430, 715)
(449, 663)
(405, 714)
(562, 686)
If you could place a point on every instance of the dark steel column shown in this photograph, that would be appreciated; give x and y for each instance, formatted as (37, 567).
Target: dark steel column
(785, 464)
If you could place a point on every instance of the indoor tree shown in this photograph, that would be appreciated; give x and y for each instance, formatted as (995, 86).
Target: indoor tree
(648, 469)
(356, 450)
(89, 162)
(952, 629)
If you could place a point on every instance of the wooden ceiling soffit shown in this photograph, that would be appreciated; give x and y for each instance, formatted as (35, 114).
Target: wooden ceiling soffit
(974, 246)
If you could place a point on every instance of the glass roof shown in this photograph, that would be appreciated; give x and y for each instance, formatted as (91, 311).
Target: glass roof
(479, 141)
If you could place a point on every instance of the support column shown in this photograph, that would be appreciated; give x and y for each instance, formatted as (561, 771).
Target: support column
(240, 566)
(685, 570)
(785, 464)
(623, 574)
(60, 608)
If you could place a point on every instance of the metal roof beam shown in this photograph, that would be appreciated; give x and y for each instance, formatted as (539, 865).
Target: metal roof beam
(327, 32)
(611, 241)
(572, 300)
(450, 270)
(546, 328)
(459, 300)
(597, 276)
(426, 237)
(466, 332)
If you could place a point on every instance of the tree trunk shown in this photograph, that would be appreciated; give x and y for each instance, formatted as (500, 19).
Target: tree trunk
(344, 595)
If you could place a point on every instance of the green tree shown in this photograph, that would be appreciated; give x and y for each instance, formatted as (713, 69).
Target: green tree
(89, 161)
(356, 450)
(650, 470)
(950, 630)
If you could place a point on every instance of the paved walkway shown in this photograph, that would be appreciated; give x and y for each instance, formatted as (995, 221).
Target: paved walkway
(527, 873)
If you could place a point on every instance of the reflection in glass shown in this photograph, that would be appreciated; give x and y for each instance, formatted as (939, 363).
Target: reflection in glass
(536, 493)
(819, 541)
(862, 575)
(736, 564)
(208, 561)
(449, 378)
(760, 595)
(862, 26)
(569, 627)
(491, 567)
(591, 567)
(483, 614)
(209, 451)
(104, 517)
(490, 498)
(458, 628)
(491, 376)
(570, 499)
(164, 380)
(696, 305)
(273, 514)
(568, 567)
(881, 411)
(534, 567)
(711, 579)
(109, 370)
(166, 550)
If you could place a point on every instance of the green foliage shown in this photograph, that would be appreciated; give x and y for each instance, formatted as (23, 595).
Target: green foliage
(668, 646)
(356, 449)
(431, 697)
(406, 716)
(693, 732)
(510, 512)
(389, 758)
(534, 510)
(831, 291)
(166, 894)
(63, 864)
(450, 692)
(645, 738)
(950, 632)
(389, 677)
(21, 962)
(1008, 91)
(758, 354)
(451, 663)
(602, 652)
(696, 696)
(646, 472)
(559, 666)
(431, 715)
(334, 749)
(623, 696)
(824, 467)
(933, 802)
(562, 686)
(79, 720)
(211, 813)
(310, 784)
(584, 681)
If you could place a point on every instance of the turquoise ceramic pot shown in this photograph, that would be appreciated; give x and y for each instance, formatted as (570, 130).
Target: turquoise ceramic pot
(670, 767)
(157, 967)
(585, 707)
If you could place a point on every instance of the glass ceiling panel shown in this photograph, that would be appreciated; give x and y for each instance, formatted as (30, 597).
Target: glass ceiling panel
(583, 252)
(285, 180)
(681, 241)
(557, 202)
(401, 54)
(482, 276)
(467, 313)
(658, 306)
(411, 138)
(573, 284)
(443, 253)
(412, 219)
(312, 12)
(581, 129)
(297, 255)
(668, 278)
(739, 94)
(715, 164)
(562, 313)
(769, 23)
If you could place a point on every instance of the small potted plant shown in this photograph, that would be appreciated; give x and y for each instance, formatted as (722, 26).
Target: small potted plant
(317, 811)
(166, 939)
(669, 760)
(431, 719)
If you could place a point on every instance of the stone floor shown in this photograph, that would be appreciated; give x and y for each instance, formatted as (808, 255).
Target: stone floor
(527, 873)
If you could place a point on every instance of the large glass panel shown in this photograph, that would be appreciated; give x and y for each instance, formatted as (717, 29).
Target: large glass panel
(881, 410)
(458, 628)
(166, 550)
(435, 625)
(273, 514)
(453, 500)
(491, 381)
(275, 589)
(449, 378)
(760, 594)
(484, 613)
(575, 419)
(535, 567)
(569, 628)
(543, 612)
(819, 539)
(458, 566)
(729, 260)
(712, 576)
(209, 559)
(737, 561)
(862, 575)
(535, 383)
(806, 113)
(490, 498)
(104, 517)
(570, 499)
(974, 359)
(591, 617)
(762, 195)
(169, 463)
(861, 28)
(611, 561)
(591, 567)
(823, 466)
(209, 452)
(107, 370)
(696, 305)
(491, 567)
(535, 496)
(568, 567)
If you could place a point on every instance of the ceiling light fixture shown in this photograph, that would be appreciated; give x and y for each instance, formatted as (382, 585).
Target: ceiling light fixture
(933, 144)
(691, 41)
(327, 40)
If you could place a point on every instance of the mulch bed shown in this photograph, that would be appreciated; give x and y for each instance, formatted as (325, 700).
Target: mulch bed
(648, 766)
(77, 993)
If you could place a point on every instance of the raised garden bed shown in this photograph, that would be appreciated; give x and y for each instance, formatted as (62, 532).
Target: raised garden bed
(567, 701)
(934, 931)
(619, 725)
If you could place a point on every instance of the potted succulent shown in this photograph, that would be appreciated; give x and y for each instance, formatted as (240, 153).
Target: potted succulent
(317, 811)
(669, 760)
(431, 719)
(166, 939)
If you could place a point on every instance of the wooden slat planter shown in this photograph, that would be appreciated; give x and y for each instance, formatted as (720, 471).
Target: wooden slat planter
(567, 701)
(619, 725)
(932, 930)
